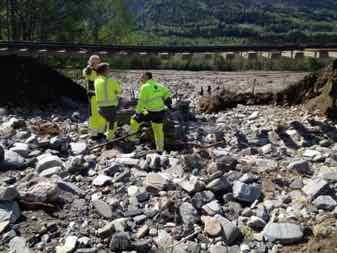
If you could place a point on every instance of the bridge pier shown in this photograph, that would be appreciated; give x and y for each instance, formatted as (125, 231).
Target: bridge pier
(207, 56)
(318, 54)
(322, 54)
(229, 56)
(251, 55)
(186, 56)
(164, 56)
(288, 54)
(297, 55)
(123, 53)
(4, 51)
(333, 54)
(272, 55)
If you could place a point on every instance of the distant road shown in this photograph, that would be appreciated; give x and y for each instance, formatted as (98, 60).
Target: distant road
(26, 47)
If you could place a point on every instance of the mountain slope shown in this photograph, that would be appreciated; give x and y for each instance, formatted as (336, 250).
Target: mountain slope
(245, 20)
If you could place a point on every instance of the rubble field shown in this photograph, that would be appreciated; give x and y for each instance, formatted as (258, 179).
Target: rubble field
(251, 178)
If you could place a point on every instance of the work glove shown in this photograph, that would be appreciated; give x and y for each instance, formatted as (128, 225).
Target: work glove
(88, 70)
(91, 93)
(168, 103)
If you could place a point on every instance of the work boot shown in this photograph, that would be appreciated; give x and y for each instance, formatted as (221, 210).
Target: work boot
(110, 133)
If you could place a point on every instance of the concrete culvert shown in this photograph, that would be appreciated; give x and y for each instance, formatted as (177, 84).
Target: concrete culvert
(30, 82)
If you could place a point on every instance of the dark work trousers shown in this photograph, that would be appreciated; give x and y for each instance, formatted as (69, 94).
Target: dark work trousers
(154, 117)
(109, 113)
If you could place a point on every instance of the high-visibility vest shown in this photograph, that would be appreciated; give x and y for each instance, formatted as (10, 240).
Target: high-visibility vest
(107, 91)
(152, 97)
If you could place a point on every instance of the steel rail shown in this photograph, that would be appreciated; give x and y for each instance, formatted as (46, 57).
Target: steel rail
(71, 47)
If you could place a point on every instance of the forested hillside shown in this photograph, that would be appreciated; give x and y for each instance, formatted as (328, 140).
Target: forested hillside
(241, 20)
(169, 21)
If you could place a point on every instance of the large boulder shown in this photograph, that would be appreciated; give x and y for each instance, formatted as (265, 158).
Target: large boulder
(8, 193)
(47, 162)
(19, 245)
(246, 193)
(285, 233)
(9, 211)
(12, 160)
(44, 191)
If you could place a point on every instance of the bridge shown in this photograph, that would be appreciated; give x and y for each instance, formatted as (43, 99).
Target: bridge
(295, 51)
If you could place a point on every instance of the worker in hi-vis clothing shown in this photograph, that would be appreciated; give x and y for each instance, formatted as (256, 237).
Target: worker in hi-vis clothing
(107, 91)
(96, 122)
(153, 101)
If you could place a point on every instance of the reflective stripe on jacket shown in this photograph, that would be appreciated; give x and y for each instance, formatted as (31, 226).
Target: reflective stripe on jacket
(152, 97)
(107, 91)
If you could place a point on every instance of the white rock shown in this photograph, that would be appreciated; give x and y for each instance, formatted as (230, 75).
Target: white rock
(254, 115)
(311, 153)
(13, 159)
(156, 182)
(50, 172)
(103, 208)
(21, 148)
(133, 190)
(325, 202)
(69, 245)
(315, 188)
(283, 232)
(190, 185)
(128, 161)
(78, 148)
(212, 226)
(19, 245)
(266, 149)
(47, 162)
(84, 241)
(102, 180)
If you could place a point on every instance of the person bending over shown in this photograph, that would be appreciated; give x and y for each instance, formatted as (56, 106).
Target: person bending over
(153, 101)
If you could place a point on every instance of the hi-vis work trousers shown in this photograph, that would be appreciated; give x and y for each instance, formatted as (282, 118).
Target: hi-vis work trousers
(157, 123)
(96, 122)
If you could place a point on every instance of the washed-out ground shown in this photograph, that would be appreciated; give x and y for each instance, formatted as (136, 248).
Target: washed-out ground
(181, 81)
(268, 186)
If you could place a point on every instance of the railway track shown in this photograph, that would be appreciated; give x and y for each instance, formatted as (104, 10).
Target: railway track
(26, 47)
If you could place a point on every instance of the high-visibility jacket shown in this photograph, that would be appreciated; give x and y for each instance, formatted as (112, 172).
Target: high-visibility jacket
(107, 91)
(90, 78)
(152, 97)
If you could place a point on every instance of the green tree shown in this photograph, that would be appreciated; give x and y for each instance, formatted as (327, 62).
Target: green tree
(44, 19)
(120, 28)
